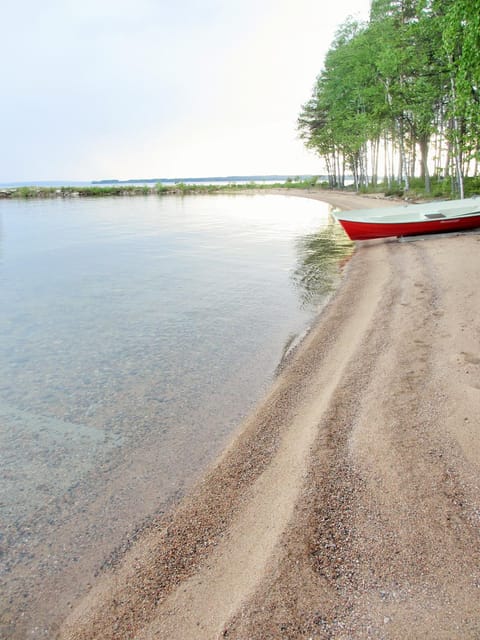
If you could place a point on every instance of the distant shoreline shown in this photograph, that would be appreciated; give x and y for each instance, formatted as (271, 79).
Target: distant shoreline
(218, 179)
(159, 189)
(309, 188)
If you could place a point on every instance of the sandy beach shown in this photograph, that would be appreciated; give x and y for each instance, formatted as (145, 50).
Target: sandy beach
(348, 504)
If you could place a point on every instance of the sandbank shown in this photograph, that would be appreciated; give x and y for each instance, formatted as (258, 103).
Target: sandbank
(348, 504)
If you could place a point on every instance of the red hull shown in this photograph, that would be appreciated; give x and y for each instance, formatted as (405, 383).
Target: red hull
(370, 230)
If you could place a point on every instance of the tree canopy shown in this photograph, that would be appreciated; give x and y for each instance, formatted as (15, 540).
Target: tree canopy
(399, 96)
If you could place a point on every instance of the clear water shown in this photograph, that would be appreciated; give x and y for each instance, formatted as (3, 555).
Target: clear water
(135, 333)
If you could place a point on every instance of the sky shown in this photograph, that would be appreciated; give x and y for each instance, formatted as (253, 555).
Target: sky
(97, 89)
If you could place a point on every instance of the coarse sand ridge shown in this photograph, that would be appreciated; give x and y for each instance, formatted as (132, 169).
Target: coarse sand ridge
(348, 505)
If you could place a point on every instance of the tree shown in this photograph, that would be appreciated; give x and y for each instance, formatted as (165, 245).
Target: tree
(407, 78)
(461, 43)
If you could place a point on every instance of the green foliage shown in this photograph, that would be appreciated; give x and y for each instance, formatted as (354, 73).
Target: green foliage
(24, 192)
(442, 189)
(472, 186)
(99, 191)
(407, 79)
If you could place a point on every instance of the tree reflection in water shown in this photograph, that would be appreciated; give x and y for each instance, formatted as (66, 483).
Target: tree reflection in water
(321, 256)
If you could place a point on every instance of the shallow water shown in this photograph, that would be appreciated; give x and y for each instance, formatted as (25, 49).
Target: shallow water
(135, 333)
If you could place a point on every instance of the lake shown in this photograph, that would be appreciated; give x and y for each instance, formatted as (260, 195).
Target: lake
(135, 334)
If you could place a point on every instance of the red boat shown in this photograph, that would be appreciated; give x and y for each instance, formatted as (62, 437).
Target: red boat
(411, 219)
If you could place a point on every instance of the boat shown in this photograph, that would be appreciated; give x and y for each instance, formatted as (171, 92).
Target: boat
(411, 219)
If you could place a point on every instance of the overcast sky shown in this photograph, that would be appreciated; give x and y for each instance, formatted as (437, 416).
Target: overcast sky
(95, 89)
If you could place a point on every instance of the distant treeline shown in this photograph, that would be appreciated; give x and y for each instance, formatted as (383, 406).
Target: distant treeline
(259, 178)
(180, 188)
(398, 100)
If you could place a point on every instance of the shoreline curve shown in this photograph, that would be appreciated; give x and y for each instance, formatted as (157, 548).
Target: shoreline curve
(347, 505)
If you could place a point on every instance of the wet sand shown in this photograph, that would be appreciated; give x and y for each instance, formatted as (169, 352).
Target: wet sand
(348, 505)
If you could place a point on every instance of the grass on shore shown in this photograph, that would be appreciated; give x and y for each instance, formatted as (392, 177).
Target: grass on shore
(442, 189)
(144, 190)
(439, 189)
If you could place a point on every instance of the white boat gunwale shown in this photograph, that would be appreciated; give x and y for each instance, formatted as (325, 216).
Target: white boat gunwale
(403, 214)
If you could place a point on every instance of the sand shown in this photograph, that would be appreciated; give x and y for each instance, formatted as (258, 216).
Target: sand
(348, 504)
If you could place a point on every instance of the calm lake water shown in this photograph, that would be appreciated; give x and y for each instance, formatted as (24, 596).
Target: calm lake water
(135, 333)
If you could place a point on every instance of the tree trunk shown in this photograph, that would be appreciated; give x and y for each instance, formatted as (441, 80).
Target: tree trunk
(376, 149)
(456, 142)
(338, 172)
(424, 173)
(387, 177)
(403, 170)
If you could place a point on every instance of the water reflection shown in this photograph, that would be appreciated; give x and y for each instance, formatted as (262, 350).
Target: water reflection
(320, 256)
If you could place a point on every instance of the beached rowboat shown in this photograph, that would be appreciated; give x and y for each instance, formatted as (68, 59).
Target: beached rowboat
(411, 219)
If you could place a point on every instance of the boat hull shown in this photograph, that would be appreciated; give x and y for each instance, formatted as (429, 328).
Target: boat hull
(357, 230)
